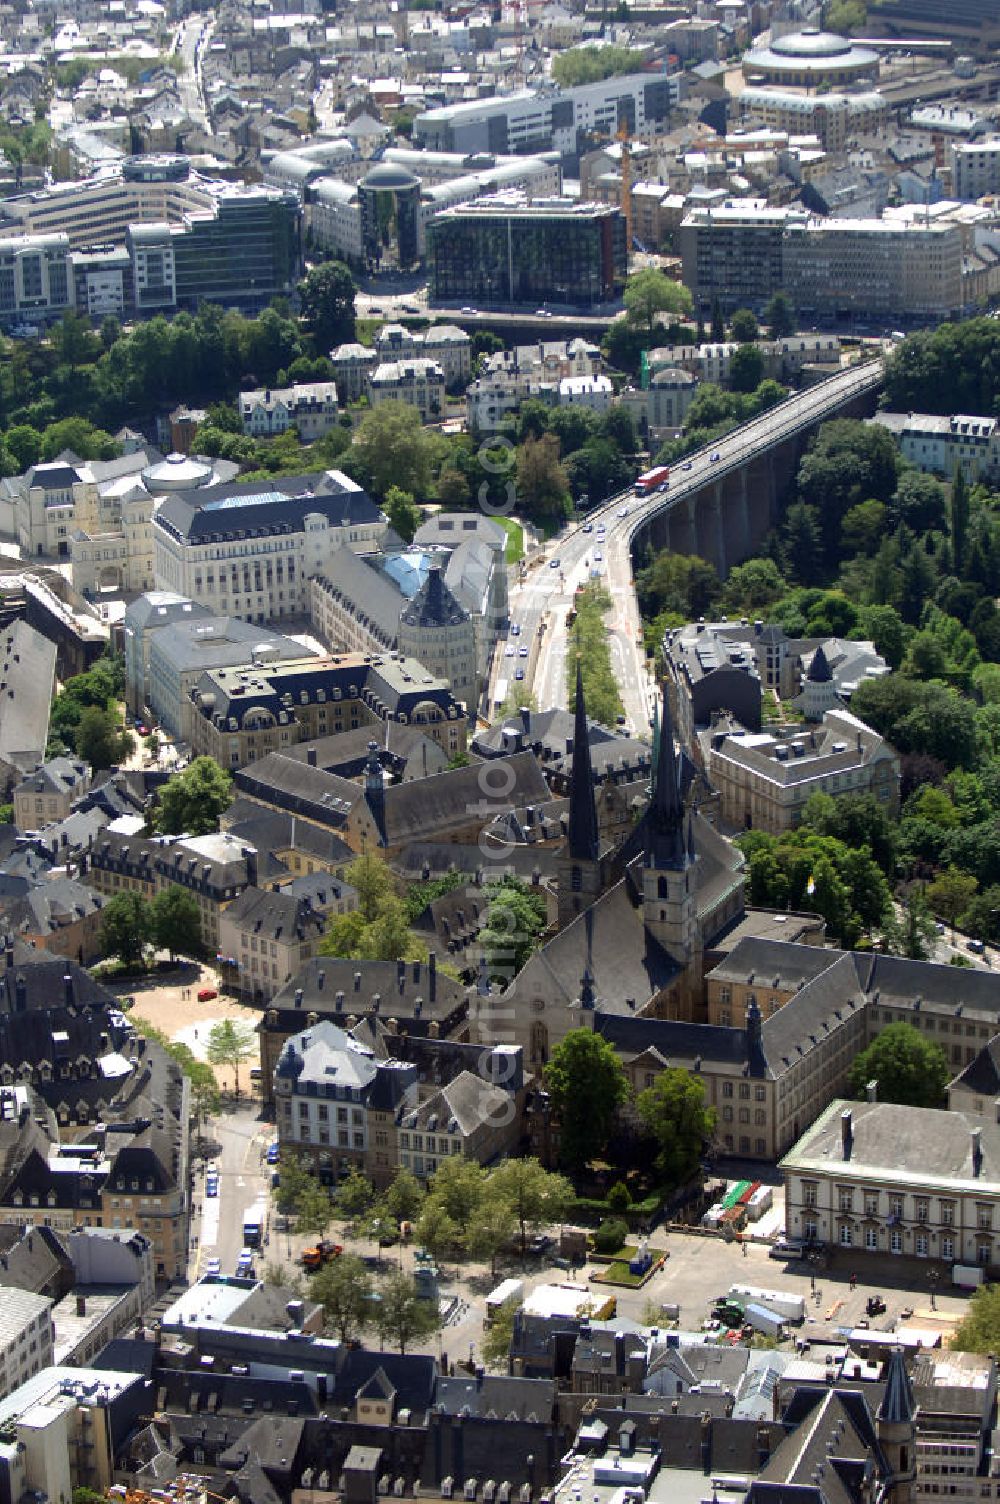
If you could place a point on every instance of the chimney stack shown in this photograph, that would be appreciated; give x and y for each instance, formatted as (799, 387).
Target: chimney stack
(432, 969)
(871, 1091)
(846, 1131)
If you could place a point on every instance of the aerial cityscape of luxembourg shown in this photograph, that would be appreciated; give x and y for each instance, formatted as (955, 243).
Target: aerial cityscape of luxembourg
(499, 751)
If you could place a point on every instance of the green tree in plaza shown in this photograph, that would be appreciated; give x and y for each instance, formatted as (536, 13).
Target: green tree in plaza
(401, 1313)
(909, 1068)
(457, 1187)
(192, 800)
(651, 292)
(314, 1211)
(491, 1232)
(535, 1197)
(404, 1197)
(675, 1113)
(355, 1194)
(176, 921)
(437, 1230)
(979, 1329)
(326, 296)
(230, 1044)
(344, 1290)
(101, 740)
(125, 927)
(587, 1085)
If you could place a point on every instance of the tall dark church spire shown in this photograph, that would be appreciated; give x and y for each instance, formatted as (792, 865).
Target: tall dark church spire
(584, 842)
(665, 845)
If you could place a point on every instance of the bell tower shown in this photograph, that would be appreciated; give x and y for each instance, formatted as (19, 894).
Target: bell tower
(579, 865)
(669, 860)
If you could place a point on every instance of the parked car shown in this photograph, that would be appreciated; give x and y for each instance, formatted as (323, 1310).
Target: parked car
(206, 994)
(212, 1186)
(522, 651)
(214, 1266)
(273, 1153)
(553, 563)
(520, 674)
(510, 651)
(515, 629)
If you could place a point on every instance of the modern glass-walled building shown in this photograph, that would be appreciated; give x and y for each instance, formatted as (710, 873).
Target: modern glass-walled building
(508, 251)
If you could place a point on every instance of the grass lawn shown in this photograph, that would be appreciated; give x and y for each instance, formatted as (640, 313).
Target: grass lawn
(514, 551)
(619, 1273)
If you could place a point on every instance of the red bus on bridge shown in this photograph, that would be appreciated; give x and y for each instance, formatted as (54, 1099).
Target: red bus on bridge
(652, 480)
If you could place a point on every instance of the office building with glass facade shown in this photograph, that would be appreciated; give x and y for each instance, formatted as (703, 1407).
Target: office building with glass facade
(508, 251)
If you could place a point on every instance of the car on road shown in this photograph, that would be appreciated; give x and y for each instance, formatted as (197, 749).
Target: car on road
(214, 1266)
(206, 994)
(510, 651)
(374, 309)
(623, 512)
(515, 629)
(244, 1264)
(786, 1249)
(553, 563)
(273, 1153)
(410, 308)
(664, 485)
(598, 556)
(588, 527)
(715, 455)
(211, 1185)
(976, 946)
(522, 651)
(686, 465)
(519, 675)
(601, 529)
(468, 310)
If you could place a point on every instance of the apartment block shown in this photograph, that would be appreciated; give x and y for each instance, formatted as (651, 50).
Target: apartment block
(310, 407)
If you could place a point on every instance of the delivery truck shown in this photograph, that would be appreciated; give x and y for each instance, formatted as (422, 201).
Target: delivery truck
(782, 1302)
(509, 1291)
(763, 1320)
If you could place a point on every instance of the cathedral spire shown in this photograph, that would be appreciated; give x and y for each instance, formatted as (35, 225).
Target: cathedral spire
(584, 843)
(665, 845)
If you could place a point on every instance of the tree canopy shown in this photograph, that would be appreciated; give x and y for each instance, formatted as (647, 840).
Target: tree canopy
(326, 294)
(908, 1067)
(587, 1085)
(651, 292)
(674, 1112)
(192, 800)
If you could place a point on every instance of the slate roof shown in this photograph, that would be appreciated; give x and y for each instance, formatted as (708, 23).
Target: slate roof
(504, 1397)
(27, 679)
(434, 605)
(373, 597)
(277, 505)
(423, 807)
(625, 960)
(982, 1074)
(274, 916)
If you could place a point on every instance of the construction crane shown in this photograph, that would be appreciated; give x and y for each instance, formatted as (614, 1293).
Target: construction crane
(623, 137)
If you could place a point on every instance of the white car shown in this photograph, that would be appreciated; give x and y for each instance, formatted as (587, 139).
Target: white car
(510, 650)
(214, 1266)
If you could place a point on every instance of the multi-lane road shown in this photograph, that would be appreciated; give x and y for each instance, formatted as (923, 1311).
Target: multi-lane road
(602, 544)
